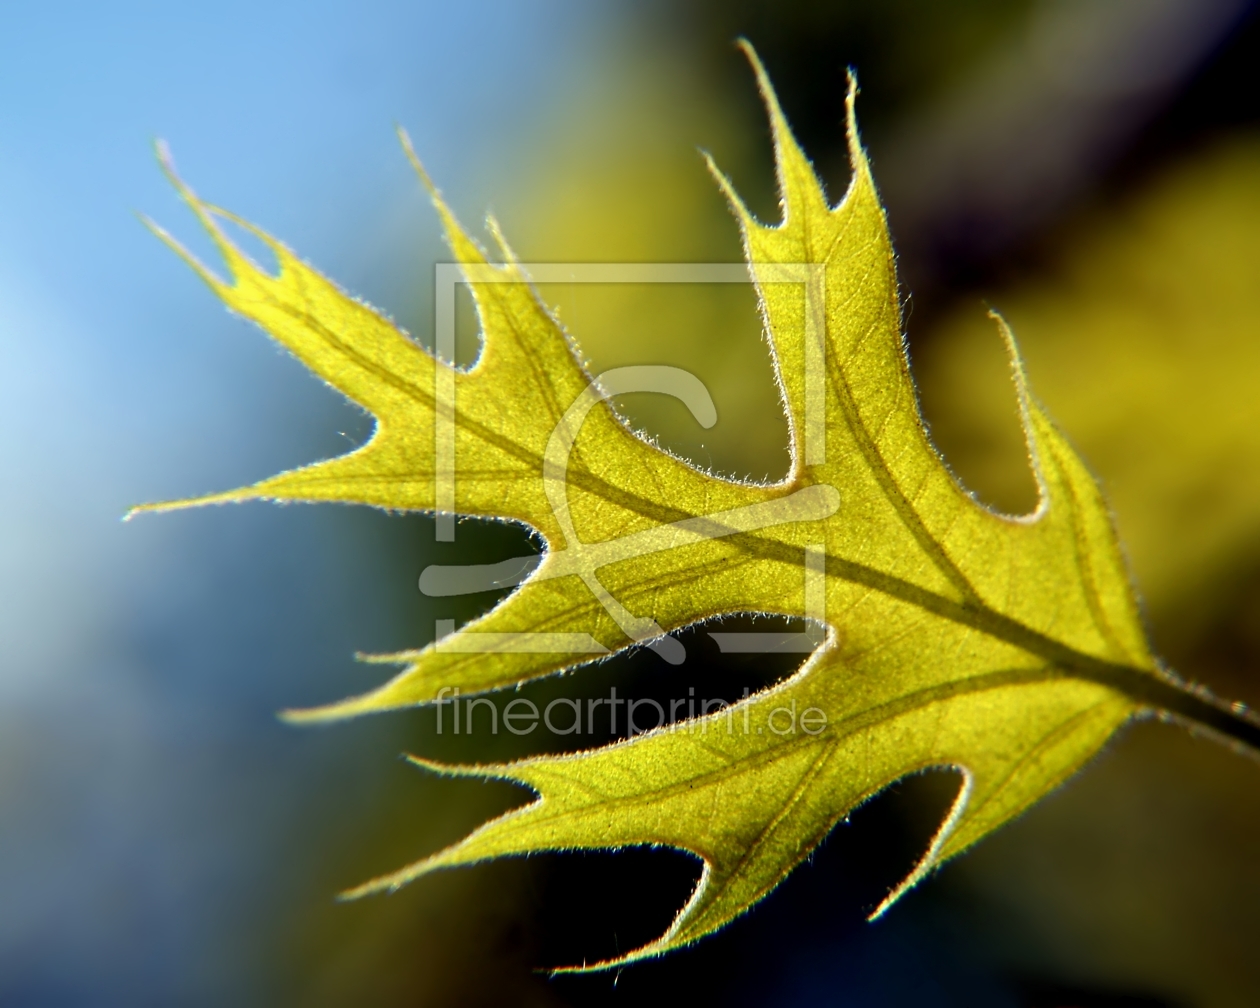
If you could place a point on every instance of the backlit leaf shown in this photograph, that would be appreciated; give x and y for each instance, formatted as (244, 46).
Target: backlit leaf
(1007, 647)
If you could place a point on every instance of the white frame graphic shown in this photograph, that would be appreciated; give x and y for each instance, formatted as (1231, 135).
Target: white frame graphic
(811, 503)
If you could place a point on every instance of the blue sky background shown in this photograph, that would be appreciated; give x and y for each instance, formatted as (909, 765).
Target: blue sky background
(148, 796)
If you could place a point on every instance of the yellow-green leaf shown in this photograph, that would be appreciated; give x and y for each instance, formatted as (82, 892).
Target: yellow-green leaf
(1007, 647)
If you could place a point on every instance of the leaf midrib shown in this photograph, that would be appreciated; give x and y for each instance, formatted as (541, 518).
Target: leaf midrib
(976, 615)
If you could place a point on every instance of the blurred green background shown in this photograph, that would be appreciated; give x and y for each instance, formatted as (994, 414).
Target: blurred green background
(1091, 168)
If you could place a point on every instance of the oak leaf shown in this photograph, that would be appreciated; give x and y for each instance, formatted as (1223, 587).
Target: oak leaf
(1007, 647)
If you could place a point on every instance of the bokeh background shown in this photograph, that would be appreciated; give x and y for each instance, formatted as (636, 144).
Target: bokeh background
(1089, 167)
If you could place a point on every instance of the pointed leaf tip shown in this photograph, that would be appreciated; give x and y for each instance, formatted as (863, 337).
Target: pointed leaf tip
(769, 97)
(858, 160)
(410, 150)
